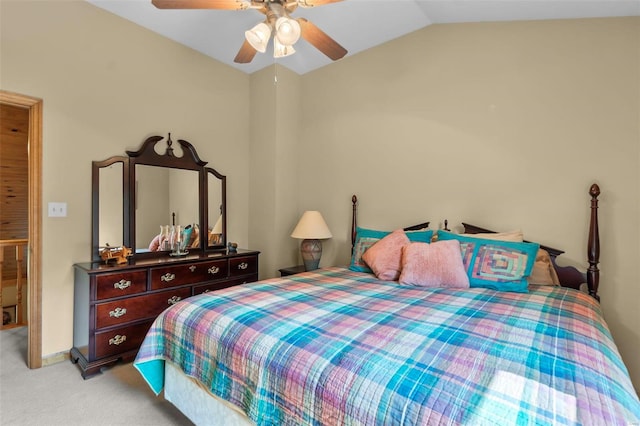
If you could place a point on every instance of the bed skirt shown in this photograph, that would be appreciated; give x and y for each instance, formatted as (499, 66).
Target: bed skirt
(199, 405)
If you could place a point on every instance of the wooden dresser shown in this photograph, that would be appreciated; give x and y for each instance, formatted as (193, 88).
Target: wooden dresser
(114, 306)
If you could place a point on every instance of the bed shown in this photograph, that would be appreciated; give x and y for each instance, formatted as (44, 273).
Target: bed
(340, 346)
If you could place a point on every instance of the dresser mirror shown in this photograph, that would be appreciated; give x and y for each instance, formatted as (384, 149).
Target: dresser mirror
(164, 196)
(160, 185)
(110, 216)
(216, 208)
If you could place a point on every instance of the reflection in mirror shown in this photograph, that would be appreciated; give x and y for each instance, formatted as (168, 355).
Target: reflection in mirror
(111, 205)
(216, 210)
(164, 197)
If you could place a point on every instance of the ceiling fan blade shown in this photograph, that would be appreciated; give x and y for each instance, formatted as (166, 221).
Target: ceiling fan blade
(320, 40)
(201, 4)
(245, 54)
(314, 3)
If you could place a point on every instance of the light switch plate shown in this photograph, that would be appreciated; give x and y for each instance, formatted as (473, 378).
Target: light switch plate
(57, 209)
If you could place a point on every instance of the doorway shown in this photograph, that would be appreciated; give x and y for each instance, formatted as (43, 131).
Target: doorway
(34, 248)
(14, 209)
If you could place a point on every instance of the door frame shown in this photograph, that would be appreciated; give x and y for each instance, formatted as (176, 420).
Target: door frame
(34, 252)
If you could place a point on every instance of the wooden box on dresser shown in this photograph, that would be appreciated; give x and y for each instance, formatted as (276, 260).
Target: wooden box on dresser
(114, 305)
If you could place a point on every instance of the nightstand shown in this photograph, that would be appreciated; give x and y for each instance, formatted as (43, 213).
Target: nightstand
(291, 270)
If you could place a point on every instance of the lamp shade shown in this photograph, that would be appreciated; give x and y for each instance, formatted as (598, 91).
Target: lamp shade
(311, 226)
(258, 36)
(287, 30)
(281, 50)
(217, 228)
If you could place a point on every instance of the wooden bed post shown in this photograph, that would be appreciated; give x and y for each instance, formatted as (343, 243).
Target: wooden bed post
(593, 247)
(354, 221)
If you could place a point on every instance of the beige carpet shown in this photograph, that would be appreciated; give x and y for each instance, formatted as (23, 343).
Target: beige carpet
(57, 394)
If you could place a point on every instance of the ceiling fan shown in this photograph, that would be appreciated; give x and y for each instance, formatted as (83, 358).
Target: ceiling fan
(285, 29)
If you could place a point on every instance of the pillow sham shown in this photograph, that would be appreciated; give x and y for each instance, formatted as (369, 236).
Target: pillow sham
(543, 272)
(437, 264)
(365, 238)
(515, 236)
(385, 256)
(495, 264)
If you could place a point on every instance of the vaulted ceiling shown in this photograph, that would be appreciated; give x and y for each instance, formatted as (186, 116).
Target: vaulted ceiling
(355, 24)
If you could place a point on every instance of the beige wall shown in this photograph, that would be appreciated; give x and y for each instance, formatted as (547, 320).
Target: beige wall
(275, 134)
(503, 125)
(107, 85)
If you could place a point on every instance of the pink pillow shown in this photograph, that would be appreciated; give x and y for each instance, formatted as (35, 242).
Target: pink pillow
(437, 264)
(154, 245)
(385, 256)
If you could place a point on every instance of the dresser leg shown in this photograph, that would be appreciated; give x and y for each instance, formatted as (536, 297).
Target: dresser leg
(90, 369)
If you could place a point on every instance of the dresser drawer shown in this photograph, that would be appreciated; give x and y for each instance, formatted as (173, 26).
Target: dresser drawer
(137, 308)
(215, 270)
(123, 284)
(187, 274)
(205, 288)
(243, 265)
(121, 339)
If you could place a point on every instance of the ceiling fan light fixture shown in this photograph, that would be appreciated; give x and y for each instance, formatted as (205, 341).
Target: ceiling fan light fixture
(281, 50)
(258, 36)
(277, 23)
(287, 30)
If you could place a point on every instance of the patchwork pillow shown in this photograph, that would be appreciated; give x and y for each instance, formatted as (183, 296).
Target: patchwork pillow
(543, 272)
(437, 264)
(365, 238)
(385, 256)
(494, 264)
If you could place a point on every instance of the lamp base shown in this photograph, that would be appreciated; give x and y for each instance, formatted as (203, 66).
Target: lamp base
(311, 251)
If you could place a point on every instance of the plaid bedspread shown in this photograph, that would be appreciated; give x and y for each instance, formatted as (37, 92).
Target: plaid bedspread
(340, 348)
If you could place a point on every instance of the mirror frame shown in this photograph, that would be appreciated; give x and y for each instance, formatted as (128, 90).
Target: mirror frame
(148, 156)
(223, 202)
(95, 202)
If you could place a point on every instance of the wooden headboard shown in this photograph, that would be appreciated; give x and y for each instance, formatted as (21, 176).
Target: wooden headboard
(569, 276)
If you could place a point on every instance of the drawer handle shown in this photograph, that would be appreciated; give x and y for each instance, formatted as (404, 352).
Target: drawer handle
(173, 300)
(118, 312)
(122, 284)
(243, 265)
(118, 340)
(192, 268)
(168, 277)
(213, 270)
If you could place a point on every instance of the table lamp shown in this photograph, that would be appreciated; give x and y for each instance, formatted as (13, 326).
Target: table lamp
(311, 229)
